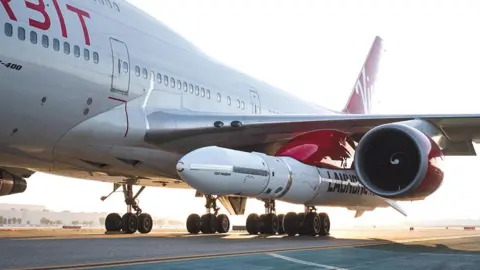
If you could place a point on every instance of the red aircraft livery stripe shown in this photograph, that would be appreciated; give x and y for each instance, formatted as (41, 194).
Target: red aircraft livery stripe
(46, 23)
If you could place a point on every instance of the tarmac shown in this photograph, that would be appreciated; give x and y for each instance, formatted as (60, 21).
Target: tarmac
(422, 248)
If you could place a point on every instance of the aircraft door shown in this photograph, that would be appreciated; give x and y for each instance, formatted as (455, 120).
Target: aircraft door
(255, 101)
(121, 67)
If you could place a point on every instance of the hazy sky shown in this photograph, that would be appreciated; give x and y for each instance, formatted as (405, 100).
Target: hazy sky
(314, 49)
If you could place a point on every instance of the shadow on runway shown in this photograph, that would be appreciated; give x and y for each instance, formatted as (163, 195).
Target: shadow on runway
(466, 246)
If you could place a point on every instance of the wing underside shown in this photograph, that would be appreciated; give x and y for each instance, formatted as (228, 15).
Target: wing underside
(182, 132)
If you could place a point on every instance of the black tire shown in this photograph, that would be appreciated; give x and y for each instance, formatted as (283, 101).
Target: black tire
(208, 224)
(223, 223)
(270, 224)
(145, 223)
(301, 224)
(253, 224)
(129, 223)
(193, 224)
(261, 226)
(312, 224)
(324, 224)
(281, 229)
(113, 222)
(290, 224)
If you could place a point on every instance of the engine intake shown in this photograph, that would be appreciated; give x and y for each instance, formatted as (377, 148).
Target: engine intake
(11, 184)
(399, 162)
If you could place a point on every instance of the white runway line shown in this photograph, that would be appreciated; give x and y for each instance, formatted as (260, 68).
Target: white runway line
(323, 266)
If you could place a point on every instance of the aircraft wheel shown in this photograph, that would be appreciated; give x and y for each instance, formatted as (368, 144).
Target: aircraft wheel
(193, 224)
(290, 224)
(312, 224)
(281, 229)
(301, 224)
(253, 224)
(270, 224)
(145, 223)
(208, 224)
(223, 223)
(129, 223)
(324, 224)
(113, 222)
(261, 228)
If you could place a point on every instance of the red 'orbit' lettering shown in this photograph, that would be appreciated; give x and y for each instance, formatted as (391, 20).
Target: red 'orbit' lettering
(40, 7)
(8, 9)
(81, 14)
(60, 18)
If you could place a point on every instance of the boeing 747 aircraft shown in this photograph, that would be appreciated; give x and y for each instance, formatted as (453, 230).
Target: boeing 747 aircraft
(99, 90)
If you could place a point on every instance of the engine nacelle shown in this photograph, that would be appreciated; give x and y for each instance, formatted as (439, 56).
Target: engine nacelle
(399, 162)
(11, 184)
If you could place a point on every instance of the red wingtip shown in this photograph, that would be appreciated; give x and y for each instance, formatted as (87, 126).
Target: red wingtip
(360, 101)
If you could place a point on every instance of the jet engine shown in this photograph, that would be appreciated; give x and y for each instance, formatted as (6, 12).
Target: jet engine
(11, 184)
(399, 162)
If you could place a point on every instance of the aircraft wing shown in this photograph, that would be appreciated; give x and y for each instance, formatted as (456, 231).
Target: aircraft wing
(185, 131)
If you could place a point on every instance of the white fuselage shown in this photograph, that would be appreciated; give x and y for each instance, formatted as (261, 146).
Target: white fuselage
(91, 73)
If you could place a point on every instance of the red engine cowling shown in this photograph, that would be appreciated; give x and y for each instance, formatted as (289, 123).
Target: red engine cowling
(399, 162)
(324, 148)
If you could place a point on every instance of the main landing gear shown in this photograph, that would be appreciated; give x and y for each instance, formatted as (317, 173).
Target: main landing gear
(208, 223)
(268, 223)
(307, 223)
(131, 221)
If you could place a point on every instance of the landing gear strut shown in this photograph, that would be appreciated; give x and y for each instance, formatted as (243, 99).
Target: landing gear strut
(210, 222)
(268, 223)
(131, 221)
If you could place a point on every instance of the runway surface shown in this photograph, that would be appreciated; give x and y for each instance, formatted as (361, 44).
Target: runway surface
(344, 249)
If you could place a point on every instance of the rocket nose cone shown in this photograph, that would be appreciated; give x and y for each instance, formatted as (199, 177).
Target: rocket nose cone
(180, 166)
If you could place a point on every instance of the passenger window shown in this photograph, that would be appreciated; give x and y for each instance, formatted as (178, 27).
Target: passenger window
(66, 48)
(208, 94)
(56, 44)
(137, 71)
(219, 97)
(179, 85)
(243, 105)
(191, 88)
(8, 30)
(159, 78)
(125, 67)
(101, 1)
(145, 73)
(33, 37)
(197, 90)
(108, 3)
(45, 41)
(229, 101)
(203, 92)
(76, 51)
(165, 79)
(96, 57)
(152, 76)
(21, 33)
(238, 103)
(116, 6)
(172, 82)
(86, 54)
(185, 86)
